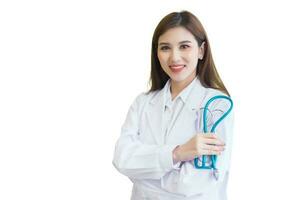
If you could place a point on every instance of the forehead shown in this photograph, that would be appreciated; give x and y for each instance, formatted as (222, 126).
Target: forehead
(175, 35)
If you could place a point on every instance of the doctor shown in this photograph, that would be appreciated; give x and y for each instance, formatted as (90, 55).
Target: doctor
(159, 139)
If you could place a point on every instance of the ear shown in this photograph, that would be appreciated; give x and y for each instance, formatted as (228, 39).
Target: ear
(201, 51)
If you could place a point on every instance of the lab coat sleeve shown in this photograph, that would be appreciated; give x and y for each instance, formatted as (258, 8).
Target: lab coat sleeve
(190, 181)
(136, 159)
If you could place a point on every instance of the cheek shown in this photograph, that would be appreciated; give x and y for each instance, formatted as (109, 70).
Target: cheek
(163, 58)
(193, 59)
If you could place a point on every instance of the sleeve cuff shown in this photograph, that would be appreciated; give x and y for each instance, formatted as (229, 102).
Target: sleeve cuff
(166, 158)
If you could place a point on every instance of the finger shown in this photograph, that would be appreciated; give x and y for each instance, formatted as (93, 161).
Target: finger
(213, 141)
(213, 147)
(211, 135)
(210, 152)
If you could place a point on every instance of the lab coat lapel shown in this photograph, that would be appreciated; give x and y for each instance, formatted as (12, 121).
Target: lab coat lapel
(197, 96)
(185, 124)
(154, 116)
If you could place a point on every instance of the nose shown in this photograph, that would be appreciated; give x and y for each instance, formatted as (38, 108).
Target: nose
(175, 56)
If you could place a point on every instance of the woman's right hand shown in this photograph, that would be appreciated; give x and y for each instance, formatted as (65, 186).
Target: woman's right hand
(200, 144)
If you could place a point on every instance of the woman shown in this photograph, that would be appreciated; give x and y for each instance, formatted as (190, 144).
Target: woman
(159, 139)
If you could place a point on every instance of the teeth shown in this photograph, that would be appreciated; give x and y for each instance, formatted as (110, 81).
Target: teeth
(177, 67)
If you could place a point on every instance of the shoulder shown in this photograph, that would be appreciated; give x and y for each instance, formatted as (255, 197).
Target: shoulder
(206, 92)
(214, 92)
(223, 102)
(143, 98)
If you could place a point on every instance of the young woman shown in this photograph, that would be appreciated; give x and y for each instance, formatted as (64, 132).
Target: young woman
(162, 134)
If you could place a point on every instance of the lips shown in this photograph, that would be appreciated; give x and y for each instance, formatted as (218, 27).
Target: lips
(177, 68)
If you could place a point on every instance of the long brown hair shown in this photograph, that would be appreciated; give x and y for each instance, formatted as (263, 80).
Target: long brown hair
(206, 70)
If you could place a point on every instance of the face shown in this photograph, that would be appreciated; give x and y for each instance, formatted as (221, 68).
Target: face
(178, 53)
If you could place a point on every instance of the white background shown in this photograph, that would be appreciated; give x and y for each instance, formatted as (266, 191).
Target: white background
(69, 71)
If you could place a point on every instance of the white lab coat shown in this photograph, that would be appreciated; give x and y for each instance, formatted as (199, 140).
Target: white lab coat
(144, 152)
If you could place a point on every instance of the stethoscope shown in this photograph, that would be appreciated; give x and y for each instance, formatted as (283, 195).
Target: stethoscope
(213, 158)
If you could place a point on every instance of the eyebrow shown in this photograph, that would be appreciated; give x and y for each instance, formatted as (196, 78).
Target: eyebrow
(165, 43)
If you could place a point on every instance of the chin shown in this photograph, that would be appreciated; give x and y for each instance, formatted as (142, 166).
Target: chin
(178, 78)
(181, 77)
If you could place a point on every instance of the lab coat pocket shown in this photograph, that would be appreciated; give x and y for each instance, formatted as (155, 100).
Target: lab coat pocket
(188, 180)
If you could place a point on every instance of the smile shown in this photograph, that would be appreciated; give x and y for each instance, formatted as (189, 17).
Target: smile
(177, 68)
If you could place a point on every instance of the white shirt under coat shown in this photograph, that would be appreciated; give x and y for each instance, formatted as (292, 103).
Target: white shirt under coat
(154, 126)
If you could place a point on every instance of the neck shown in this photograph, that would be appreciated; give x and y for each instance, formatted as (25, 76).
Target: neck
(177, 87)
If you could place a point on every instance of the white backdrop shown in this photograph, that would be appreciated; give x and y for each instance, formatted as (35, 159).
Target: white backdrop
(69, 71)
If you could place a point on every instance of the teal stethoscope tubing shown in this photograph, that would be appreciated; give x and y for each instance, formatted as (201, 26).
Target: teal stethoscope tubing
(213, 157)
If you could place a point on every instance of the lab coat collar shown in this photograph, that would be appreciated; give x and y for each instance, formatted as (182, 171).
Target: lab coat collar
(197, 96)
(182, 95)
(193, 98)
(154, 114)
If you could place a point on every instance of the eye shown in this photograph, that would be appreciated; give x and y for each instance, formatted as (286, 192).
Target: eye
(184, 46)
(164, 48)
